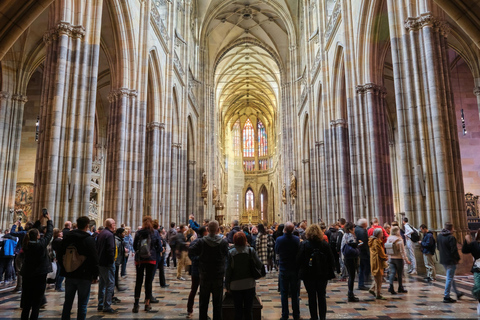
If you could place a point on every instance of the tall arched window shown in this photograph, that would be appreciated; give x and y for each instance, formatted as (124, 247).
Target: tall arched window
(262, 140)
(249, 199)
(248, 140)
(236, 138)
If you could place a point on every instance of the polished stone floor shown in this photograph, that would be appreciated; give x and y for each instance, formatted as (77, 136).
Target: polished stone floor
(422, 301)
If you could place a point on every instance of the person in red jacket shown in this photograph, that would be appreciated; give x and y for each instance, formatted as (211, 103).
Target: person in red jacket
(375, 225)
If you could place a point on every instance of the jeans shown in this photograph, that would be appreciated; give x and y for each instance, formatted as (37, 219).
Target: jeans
(316, 290)
(214, 287)
(364, 271)
(450, 269)
(243, 302)
(33, 291)
(72, 286)
(289, 285)
(148, 270)
(58, 278)
(193, 293)
(106, 284)
(6, 265)
(124, 267)
(161, 272)
(396, 266)
(430, 266)
(351, 265)
(411, 255)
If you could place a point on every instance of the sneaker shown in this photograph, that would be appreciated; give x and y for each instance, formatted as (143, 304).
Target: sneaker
(165, 286)
(116, 300)
(380, 297)
(353, 299)
(181, 278)
(154, 300)
(460, 295)
(190, 314)
(449, 300)
(109, 310)
(414, 272)
(372, 292)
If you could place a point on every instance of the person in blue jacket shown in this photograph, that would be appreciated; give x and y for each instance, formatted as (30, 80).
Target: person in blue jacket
(193, 224)
(6, 258)
(428, 250)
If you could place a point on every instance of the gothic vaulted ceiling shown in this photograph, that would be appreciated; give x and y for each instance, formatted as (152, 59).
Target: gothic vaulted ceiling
(248, 43)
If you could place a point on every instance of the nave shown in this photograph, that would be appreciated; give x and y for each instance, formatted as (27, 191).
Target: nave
(421, 302)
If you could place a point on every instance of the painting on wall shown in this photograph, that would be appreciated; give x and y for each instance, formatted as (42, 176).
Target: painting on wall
(24, 200)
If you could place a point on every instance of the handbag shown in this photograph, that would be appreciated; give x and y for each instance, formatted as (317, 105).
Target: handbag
(257, 273)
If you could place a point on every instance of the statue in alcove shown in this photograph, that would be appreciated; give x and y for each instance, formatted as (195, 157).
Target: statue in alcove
(284, 194)
(293, 186)
(204, 182)
(214, 193)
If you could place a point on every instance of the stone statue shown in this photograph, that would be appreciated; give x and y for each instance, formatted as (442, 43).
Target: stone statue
(293, 186)
(204, 183)
(284, 194)
(214, 193)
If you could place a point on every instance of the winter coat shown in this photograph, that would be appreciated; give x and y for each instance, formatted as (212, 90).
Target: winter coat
(171, 239)
(287, 248)
(195, 266)
(120, 251)
(270, 246)
(9, 243)
(239, 275)
(155, 246)
(262, 248)
(447, 245)
(303, 258)
(362, 235)
(106, 248)
(428, 243)
(399, 247)
(212, 252)
(85, 245)
(193, 225)
(232, 233)
(36, 261)
(377, 256)
(473, 248)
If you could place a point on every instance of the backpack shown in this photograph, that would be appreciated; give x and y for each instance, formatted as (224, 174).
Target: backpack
(391, 248)
(143, 250)
(414, 236)
(317, 261)
(72, 260)
(334, 239)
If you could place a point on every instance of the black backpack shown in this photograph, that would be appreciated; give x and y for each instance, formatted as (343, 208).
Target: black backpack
(414, 236)
(334, 239)
(143, 248)
(316, 262)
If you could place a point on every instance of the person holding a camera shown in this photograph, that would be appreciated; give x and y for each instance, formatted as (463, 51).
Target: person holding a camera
(36, 266)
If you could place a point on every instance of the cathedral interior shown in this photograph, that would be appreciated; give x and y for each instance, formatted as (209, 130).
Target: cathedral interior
(255, 110)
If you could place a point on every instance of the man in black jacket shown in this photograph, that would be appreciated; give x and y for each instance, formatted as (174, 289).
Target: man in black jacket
(362, 235)
(79, 280)
(449, 258)
(211, 251)
(106, 266)
(235, 229)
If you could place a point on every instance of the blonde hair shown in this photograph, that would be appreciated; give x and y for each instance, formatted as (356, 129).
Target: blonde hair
(395, 231)
(314, 232)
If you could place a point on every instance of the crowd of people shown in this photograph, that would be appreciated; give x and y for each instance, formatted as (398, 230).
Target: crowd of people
(220, 258)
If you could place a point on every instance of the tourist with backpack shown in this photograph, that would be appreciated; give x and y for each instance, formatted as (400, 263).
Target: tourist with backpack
(364, 270)
(78, 259)
(147, 246)
(316, 267)
(350, 253)
(396, 251)
(412, 236)
(333, 237)
(428, 250)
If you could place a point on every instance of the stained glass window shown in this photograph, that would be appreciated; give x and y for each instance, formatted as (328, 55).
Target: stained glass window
(236, 138)
(262, 139)
(249, 199)
(248, 139)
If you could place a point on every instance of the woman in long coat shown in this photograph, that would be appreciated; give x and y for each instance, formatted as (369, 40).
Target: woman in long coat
(378, 262)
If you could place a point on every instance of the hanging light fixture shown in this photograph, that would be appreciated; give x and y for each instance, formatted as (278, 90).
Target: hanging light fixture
(37, 126)
(464, 126)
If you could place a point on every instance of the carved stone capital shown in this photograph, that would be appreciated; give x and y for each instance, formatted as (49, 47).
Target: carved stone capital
(4, 95)
(64, 28)
(155, 125)
(19, 98)
(339, 123)
(476, 91)
(370, 88)
(427, 19)
(121, 93)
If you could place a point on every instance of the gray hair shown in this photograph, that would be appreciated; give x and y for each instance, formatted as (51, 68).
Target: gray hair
(362, 221)
(377, 232)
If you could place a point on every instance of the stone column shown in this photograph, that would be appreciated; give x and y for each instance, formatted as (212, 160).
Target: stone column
(152, 173)
(11, 119)
(430, 166)
(342, 165)
(476, 92)
(373, 178)
(307, 180)
(191, 187)
(174, 186)
(64, 154)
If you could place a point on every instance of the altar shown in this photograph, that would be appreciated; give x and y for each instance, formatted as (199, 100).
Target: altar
(250, 216)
